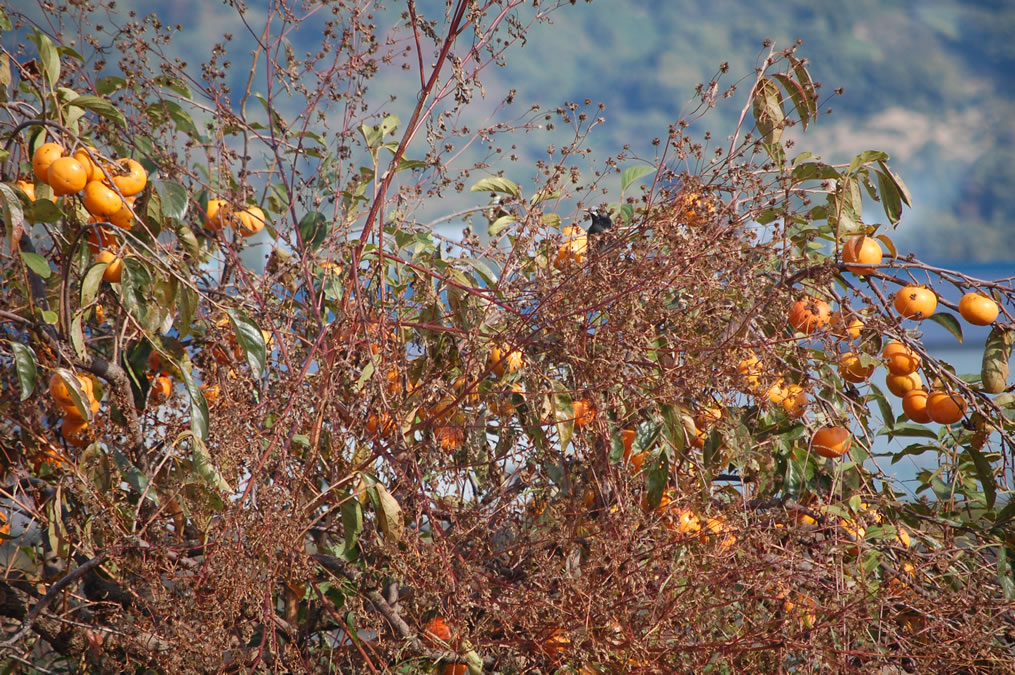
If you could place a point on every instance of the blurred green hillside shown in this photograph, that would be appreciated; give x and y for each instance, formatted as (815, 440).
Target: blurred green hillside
(930, 82)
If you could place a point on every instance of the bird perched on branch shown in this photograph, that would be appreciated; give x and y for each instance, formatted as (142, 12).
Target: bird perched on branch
(600, 222)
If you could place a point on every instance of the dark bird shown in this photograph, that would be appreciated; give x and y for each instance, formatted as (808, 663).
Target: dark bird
(600, 222)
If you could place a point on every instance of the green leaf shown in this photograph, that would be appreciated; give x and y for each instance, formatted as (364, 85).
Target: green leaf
(994, 369)
(1004, 574)
(77, 336)
(497, 226)
(488, 275)
(249, 337)
(187, 302)
(204, 466)
(314, 227)
(907, 198)
(352, 524)
(134, 284)
(49, 57)
(174, 84)
(410, 164)
(768, 112)
(5, 22)
(107, 85)
(198, 404)
(11, 210)
(949, 323)
(891, 200)
(134, 476)
(371, 136)
(24, 365)
(627, 213)
(497, 184)
(389, 516)
(656, 480)
(551, 220)
(797, 95)
(543, 195)
(564, 409)
(389, 124)
(810, 93)
(173, 197)
(814, 171)
(77, 393)
(883, 405)
(101, 107)
(37, 264)
(866, 157)
(91, 283)
(940, 488)
(985, 473)
(633, 173)
(908, 429)
(43, 211)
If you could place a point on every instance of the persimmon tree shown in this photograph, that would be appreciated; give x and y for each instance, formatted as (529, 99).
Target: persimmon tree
(258, 413)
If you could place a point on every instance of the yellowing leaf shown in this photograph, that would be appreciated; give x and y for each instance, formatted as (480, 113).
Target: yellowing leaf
(889, 244)
(389, 518)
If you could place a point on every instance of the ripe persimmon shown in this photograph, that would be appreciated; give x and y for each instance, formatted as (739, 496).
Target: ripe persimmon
(130, 177)
(696, 209)
(978, 309)
(944, 407)
(685, 521)
(915, 302)
(438, 633)
(249, 221)
(627, 438)
(502, 360)
(573, 249)
(914, 404)
(750, 368)
(831, 441)
(100, 200)
(101, 237)
(382, 424)
(66, 176)
(900, 359)
(162, 388)
(75, 431)
(851, 368)
(808, 315)
(61, 393)
(864, 251)
(795, 403)
(44, 156)
(28, 188)
(900, 385)
(708, 417)
(211, 392)
(124, 218)
(218, 214)
(114, 266)
(584, 413)
(91, 168)
(462, 383)
(846, 325)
